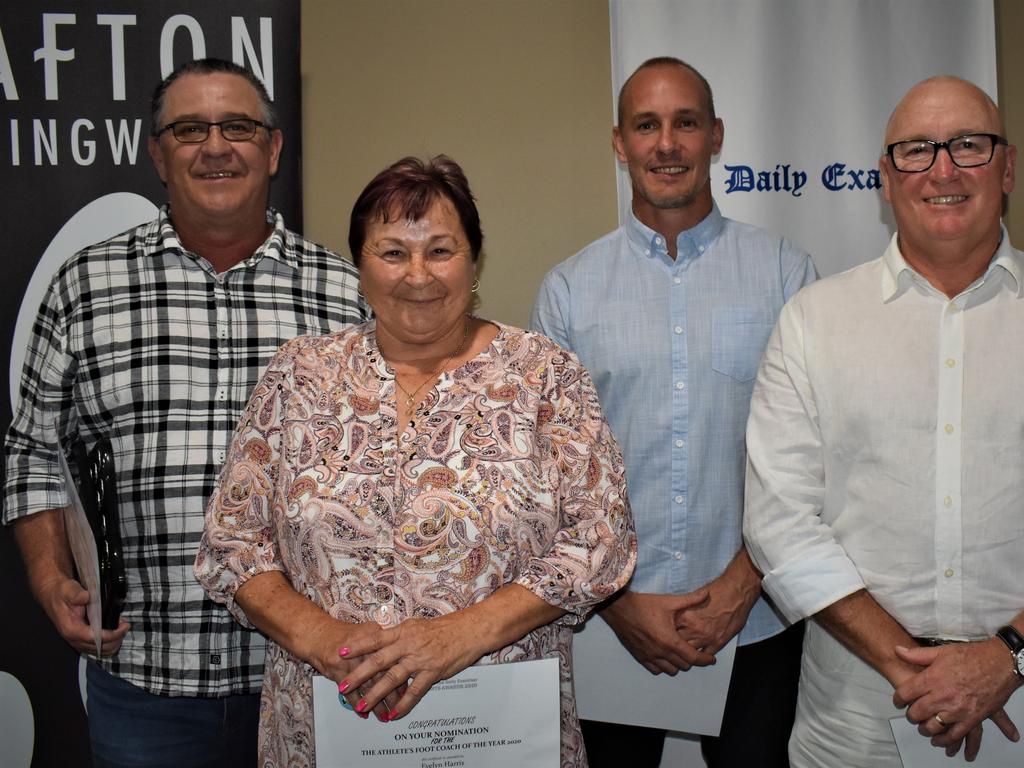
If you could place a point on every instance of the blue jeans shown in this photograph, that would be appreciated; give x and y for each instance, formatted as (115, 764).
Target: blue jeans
(130, 727)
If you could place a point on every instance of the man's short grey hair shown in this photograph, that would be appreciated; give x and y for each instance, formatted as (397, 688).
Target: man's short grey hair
(209, 67)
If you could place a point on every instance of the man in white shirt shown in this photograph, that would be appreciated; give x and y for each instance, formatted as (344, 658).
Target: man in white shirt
(884, 479)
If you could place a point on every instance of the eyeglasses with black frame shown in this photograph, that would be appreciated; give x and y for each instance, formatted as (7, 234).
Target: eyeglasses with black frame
(198, 131)
(968, 151)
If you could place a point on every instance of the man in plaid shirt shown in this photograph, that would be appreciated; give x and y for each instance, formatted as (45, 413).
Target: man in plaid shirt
(154, 339)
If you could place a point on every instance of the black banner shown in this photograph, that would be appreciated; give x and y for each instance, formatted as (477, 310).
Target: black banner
(75, 85)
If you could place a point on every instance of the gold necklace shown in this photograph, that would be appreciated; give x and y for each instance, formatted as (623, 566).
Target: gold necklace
(410, 397)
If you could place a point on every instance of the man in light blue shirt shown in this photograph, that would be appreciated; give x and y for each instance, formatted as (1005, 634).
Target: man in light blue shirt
(670, 313)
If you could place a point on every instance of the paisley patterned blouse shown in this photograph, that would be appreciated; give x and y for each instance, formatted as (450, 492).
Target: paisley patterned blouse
(507, 473)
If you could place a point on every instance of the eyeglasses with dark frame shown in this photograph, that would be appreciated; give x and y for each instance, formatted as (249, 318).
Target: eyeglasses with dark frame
(968, 151)
(198, 131)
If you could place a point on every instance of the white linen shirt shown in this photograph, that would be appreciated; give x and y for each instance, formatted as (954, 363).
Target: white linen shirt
(886, 448)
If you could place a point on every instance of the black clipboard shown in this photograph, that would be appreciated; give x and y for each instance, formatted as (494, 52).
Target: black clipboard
(97, 490)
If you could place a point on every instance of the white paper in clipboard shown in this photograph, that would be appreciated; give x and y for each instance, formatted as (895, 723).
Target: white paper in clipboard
(83, 548)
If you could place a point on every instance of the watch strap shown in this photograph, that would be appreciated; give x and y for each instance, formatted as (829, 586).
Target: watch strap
(1011, 637)
(1015, 643)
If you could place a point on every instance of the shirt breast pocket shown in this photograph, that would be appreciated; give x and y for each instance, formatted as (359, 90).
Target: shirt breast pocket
(738, 339)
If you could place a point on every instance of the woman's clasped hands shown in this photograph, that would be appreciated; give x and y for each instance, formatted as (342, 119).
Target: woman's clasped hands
(389, 670)
(331, 656)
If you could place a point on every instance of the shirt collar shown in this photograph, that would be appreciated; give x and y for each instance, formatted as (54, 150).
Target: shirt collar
(274, 246)
(896, 273)
(1011, 262)
(689, 244)
(1007, 264)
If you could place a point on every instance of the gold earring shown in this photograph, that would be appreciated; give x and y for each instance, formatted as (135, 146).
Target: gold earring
(476, 285)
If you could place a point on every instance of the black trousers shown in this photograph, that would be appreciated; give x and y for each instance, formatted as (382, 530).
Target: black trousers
(758, 717)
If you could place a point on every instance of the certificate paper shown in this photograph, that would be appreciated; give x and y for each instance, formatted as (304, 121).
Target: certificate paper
(83, 549)
(613, 687)
(996, 750)
(497, 716)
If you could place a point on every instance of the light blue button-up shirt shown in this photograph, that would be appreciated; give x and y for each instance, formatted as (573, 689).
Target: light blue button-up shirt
(673, 348)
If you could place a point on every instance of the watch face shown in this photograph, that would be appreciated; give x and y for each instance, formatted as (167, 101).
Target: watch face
(1019, 658)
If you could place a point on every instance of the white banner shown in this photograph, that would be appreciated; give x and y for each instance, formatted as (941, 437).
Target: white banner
(805, 88)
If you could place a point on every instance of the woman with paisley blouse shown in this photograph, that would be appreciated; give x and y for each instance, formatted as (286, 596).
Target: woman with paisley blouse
(418, 494)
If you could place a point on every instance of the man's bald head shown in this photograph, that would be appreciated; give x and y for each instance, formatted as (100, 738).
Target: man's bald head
(948, 214)
(938, 94)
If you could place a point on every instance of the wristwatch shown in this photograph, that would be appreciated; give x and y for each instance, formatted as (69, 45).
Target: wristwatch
(1015, 643)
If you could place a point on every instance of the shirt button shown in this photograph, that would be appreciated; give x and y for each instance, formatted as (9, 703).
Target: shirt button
(220, 457)
(677, 280)
(948, 501)
(949, 573)
(950, 362)
(700, 249)
(677, 555)
(678, 329)
(680, 385)
(647, 251)
(679, 499)
(949, 429)
(679, 443)
(657, 240)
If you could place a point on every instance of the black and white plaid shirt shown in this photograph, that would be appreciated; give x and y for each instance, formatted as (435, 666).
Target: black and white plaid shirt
(140, 340)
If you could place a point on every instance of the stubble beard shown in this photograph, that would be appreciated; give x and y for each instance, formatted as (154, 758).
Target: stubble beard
(667, 202)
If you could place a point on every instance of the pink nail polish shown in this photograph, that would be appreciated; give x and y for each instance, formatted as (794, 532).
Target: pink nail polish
(361, 706)
(363, 715)
(343, 686)
(344, 651)
(392, 715)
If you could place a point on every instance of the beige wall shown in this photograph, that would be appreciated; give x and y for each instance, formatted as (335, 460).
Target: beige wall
(1010, 65)
(518, 91)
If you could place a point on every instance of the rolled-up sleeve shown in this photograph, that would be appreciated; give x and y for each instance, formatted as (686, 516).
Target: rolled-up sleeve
(593, 552)
(239, 538)
(45, 412)
(805, 568)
